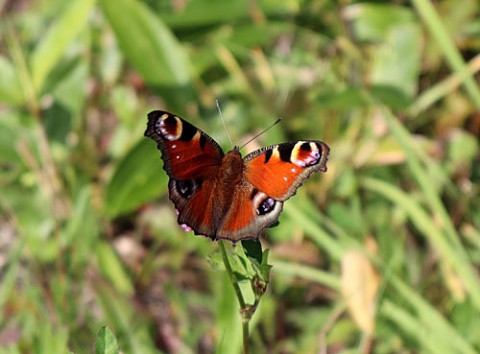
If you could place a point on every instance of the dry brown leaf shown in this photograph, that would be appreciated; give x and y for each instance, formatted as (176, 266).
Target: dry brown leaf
(360, 282)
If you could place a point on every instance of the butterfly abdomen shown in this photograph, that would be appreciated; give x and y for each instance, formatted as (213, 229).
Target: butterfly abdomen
(229, 176)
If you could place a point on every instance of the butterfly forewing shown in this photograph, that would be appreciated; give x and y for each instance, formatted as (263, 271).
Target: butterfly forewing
(279, 170)
(187, 152)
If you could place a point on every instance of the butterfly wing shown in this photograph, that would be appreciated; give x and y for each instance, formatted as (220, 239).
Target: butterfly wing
(249, 214)
(279, 170)
(191, 159)
(187, 152)
(271, 176)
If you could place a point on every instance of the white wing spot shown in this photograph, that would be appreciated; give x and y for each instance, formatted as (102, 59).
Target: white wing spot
(177, 157)
(294, 170)
(299, 163)
(186, 228)
(285, 179)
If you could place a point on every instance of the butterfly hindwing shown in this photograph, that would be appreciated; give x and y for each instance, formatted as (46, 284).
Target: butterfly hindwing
(195, 210)
(250, 212)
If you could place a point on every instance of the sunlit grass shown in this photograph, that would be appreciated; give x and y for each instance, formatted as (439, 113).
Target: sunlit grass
(88, 237)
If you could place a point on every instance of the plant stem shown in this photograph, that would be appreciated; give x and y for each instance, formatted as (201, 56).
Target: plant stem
(246, 342)
(238, 292)
(231, 276)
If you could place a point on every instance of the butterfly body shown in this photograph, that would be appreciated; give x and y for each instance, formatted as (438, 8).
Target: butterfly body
(225, 196)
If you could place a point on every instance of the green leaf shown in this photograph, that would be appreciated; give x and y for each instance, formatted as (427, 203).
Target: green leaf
(216, 261)
(58, 37)
(253, 250)
(347, 99)
(138, 178)
(106, 343)
(265, 267)
(258, 263)
(391, 66)
(213, 12)
(373, 21)
(239, 277)
(67, 83)
(147, 43)
(395, 31)
(10, 89)
(391, 95)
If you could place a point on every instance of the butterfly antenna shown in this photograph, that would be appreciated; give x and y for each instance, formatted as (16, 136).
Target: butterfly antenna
(262, 132)
(223, 121)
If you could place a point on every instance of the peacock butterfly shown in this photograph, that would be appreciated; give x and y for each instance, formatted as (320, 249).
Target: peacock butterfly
(223, 196)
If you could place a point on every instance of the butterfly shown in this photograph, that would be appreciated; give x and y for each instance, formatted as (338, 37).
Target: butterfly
(225, 196)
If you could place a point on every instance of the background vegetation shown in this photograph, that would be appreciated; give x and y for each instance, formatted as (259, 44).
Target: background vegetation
(378, 255)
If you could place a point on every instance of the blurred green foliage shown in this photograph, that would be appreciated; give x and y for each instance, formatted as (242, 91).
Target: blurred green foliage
(88, 237)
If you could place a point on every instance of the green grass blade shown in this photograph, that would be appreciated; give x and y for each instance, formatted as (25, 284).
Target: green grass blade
(417, 329)
(432, 95)
(431, 320)
(305, 272)
(318, 235)
(132, 333)
(452, 255)
(408, 145)
(434, 23)
(9, 278)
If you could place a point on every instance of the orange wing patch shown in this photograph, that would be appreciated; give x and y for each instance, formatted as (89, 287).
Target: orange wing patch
(280, 169)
